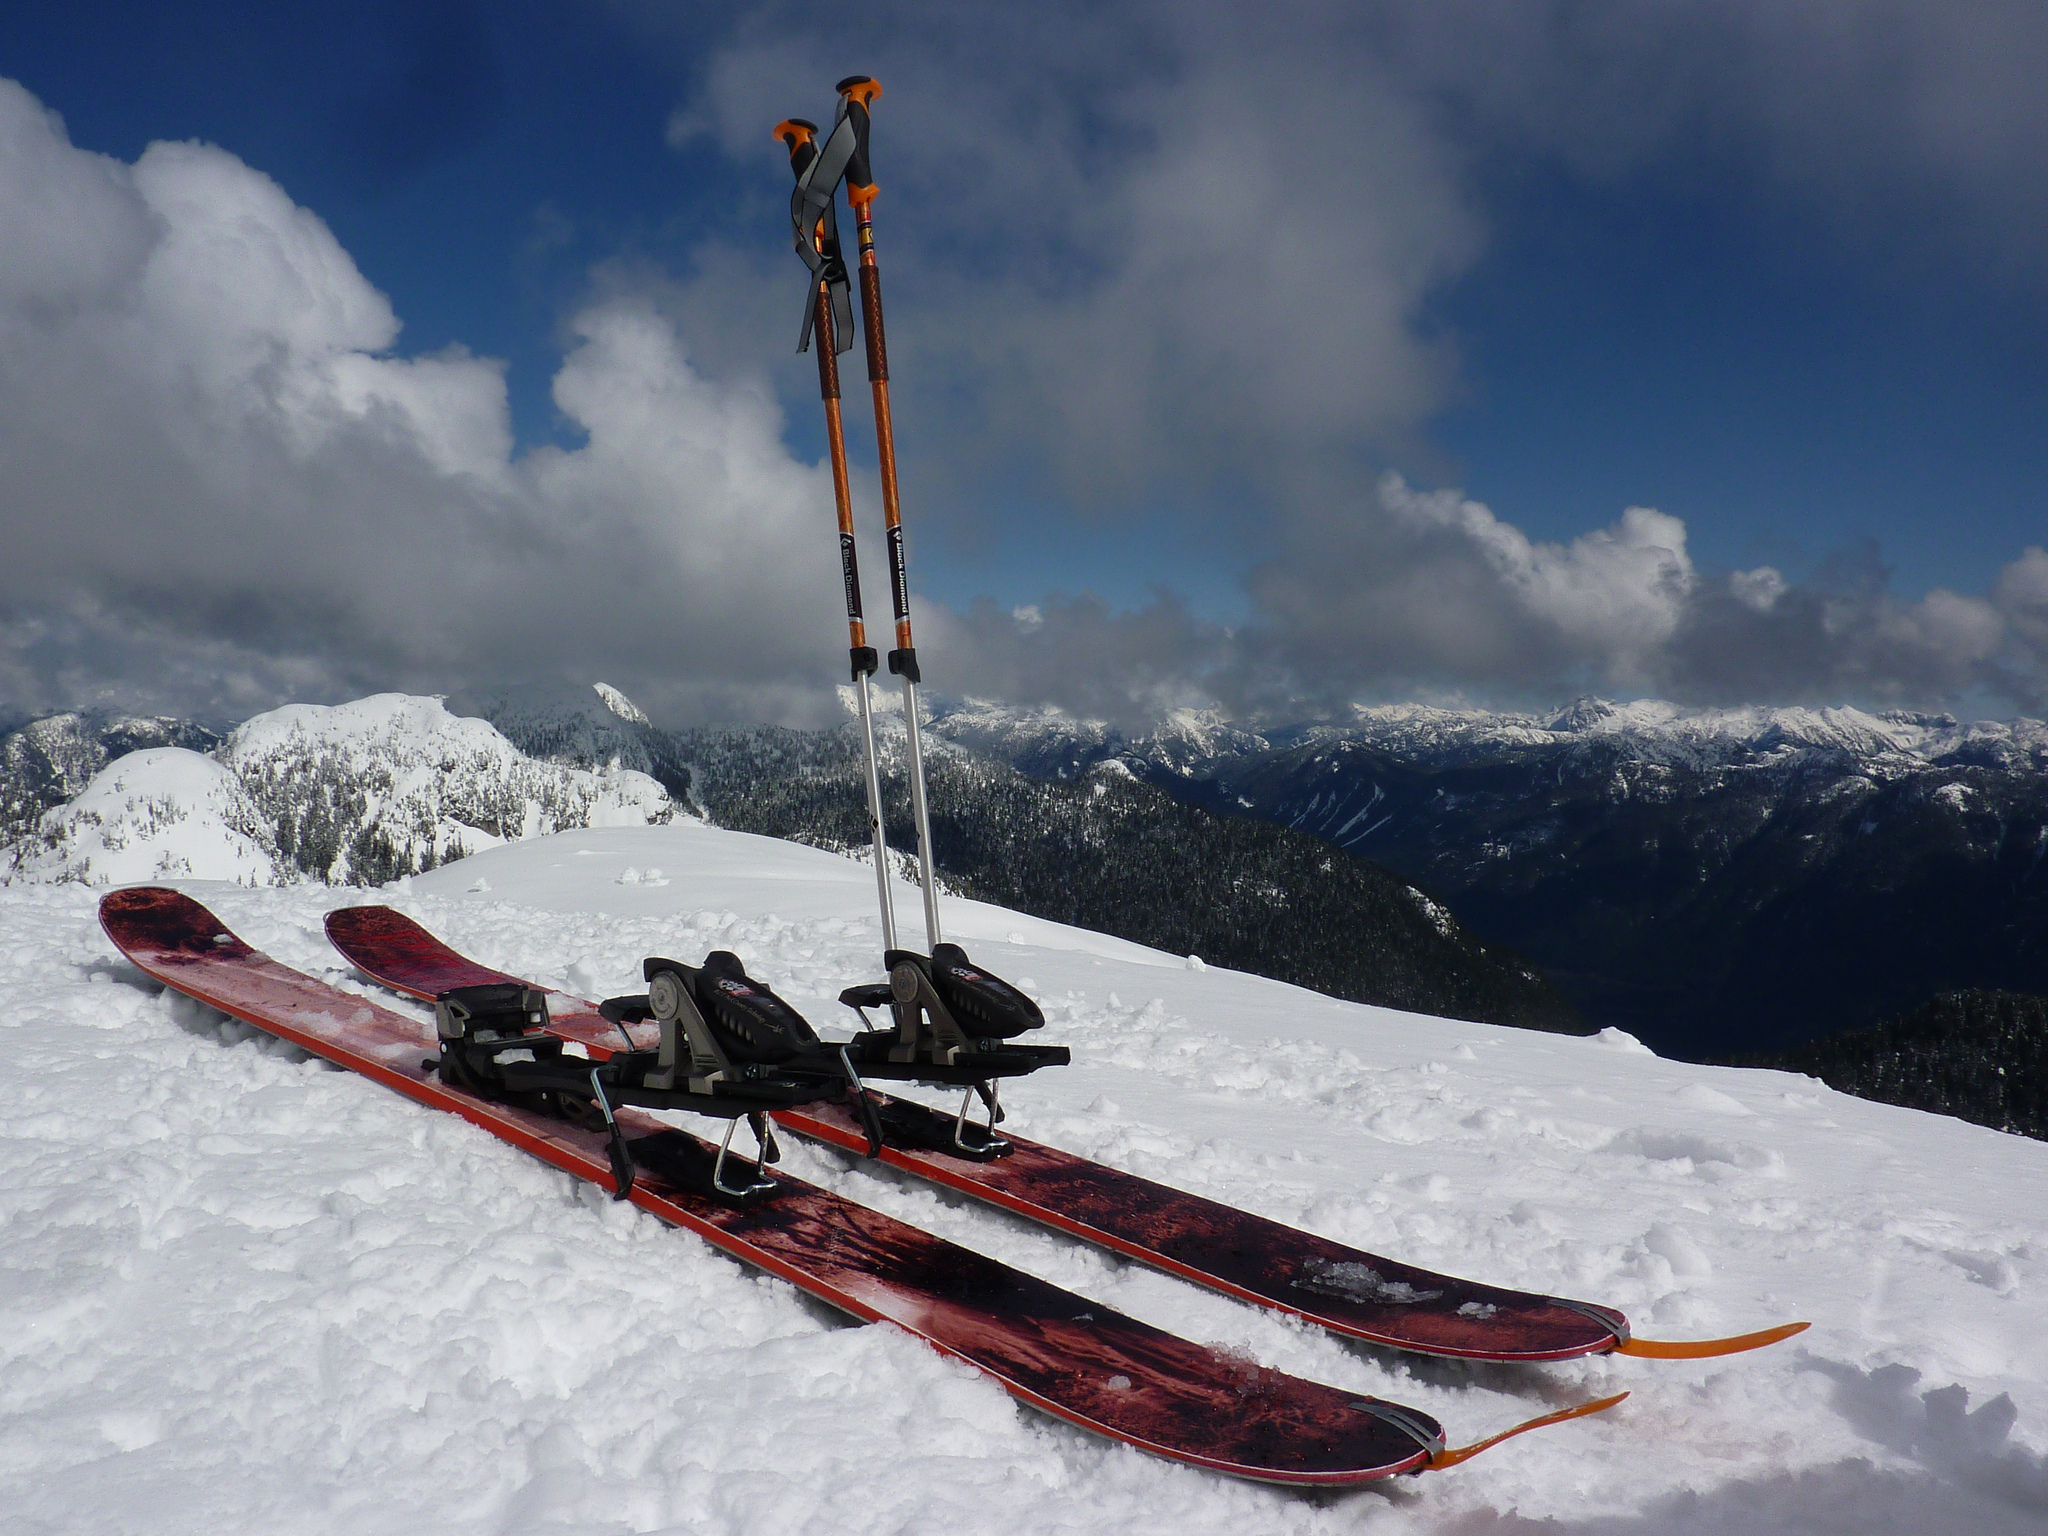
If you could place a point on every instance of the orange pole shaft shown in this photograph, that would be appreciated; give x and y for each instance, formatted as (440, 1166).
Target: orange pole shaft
(842, 490)
(885, 431)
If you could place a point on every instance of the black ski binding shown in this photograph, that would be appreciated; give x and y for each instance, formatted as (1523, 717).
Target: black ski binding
(955, 1025)
(729, 1047)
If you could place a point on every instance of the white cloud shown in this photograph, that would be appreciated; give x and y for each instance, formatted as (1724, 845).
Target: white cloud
(212, 451)
(1615, 593)
(1758, 590)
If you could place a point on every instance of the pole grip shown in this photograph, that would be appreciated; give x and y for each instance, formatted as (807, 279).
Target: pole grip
(856, 94)
(800, 138)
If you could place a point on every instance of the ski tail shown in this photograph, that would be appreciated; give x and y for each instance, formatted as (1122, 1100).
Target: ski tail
(1707, 1349)
(1450, 1457)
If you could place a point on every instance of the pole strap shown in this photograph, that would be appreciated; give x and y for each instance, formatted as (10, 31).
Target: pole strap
(810, 207)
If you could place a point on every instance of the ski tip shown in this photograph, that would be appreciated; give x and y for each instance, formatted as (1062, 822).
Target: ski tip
(1704, 1349)
(1451, 1457)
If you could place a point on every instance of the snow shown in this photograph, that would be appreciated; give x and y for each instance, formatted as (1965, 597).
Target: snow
(245, 1291)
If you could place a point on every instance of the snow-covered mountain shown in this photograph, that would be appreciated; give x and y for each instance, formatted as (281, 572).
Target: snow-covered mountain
(1652, 731)
(354, 793)
(1715, 880)
(245, 1292)
(158, 814)
(1051, 743)
(44, 762)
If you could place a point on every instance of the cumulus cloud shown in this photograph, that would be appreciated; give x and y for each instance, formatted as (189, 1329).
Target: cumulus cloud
(1186, 255)
(1151, 245)
(220, 481)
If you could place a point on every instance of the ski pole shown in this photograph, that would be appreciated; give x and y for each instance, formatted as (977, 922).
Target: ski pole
(799, 136)
(856, 93)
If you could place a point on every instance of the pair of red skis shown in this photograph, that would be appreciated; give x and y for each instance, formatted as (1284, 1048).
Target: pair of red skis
(1075, 1359)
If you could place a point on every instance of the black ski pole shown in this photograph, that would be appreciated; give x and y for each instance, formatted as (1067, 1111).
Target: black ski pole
(818, 235)
(856, 94)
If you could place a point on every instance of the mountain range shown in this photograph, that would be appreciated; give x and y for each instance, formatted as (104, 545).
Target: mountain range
(1719, 883)
(391, 786)
(1713, 881)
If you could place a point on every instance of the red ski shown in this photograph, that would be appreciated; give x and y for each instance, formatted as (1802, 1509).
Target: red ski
(1350, 1292)
(1073, 1358)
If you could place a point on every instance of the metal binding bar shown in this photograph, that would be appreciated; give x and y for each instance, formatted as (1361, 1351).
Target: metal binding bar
(761, 1184)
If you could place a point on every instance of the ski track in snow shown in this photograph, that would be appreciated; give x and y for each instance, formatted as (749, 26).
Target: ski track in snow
(248, 1291)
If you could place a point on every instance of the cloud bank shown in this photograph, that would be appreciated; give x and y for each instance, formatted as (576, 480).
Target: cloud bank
(223, 487)
(1162, 255)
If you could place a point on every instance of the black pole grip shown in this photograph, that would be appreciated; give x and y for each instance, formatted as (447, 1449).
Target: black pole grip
(800, 137)
(855, 93)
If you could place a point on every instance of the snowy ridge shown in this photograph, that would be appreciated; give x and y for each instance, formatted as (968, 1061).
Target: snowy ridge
(1646, 730)
(432, 1330)
(1650, 730)
(351, 794)
(160, 814)
(620, 705)
(1049, 742)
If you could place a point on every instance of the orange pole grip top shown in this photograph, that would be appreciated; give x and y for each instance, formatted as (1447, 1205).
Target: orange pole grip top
(864, 89)
(793, 133)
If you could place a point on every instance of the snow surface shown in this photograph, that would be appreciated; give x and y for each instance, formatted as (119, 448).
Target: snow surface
(245, 1291)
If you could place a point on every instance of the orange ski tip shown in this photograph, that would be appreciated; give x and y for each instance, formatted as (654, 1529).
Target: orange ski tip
(1706, 1349)
(1450, 1458)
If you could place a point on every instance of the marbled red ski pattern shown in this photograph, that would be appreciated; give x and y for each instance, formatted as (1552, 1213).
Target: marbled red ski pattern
(1201, 1240)
(1078, 1360)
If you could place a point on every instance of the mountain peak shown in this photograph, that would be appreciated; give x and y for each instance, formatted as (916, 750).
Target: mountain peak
(620, 705)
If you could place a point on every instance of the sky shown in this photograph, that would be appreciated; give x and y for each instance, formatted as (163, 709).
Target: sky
(1268, 358)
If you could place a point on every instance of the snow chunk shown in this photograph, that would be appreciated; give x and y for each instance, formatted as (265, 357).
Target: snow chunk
(1359, 1283)
(1621, 1040)
(1700, 1096)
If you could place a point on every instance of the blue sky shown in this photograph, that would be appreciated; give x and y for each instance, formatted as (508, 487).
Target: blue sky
(1783, 280)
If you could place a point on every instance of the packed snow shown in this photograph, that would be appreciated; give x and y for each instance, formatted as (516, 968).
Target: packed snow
(246, 1291)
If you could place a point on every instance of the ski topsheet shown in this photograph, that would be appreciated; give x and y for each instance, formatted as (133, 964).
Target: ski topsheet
(1075, 1359)
(1347, 1291)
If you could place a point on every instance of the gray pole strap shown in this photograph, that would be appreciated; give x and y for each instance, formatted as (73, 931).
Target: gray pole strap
(809, 205)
